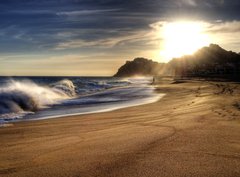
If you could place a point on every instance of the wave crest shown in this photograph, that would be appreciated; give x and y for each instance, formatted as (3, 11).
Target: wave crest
(65, 86)
(22, 96)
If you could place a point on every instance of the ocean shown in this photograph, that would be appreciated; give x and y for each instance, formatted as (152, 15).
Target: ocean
(33, 98)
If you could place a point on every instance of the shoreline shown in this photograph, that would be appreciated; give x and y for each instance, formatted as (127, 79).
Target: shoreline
(186, 133)
(94, 108)
(129, 105)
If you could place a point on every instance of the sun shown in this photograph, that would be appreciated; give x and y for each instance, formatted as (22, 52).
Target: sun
(182, 38)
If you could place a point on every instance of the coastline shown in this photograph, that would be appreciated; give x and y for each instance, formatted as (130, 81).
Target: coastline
(192, 131)
(104, 109)
(84, 96)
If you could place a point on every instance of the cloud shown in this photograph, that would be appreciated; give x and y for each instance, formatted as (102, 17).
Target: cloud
(73, 24)
(85, 12)
(79, 43)
(31, 12)
(225, 33)
(199, 2)
(151, 39)
(224, 27)
(217, 26)
(187, 2)
(108, 42)
(196, 3)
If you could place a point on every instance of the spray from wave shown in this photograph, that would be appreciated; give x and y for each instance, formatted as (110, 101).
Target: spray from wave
(27, 96)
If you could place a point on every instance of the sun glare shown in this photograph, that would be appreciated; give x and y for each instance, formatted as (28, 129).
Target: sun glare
(182, 38)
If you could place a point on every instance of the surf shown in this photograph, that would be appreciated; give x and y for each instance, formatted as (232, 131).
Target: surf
(51, 97)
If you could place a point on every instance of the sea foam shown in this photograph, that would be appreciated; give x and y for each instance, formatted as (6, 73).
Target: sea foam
(27, 96)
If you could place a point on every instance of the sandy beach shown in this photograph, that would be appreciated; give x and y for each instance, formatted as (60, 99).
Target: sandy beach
(194, 130)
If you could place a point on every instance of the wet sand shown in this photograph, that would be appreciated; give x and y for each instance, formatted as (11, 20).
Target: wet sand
(192, 131)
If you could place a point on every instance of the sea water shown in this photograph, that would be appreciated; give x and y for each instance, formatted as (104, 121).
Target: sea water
(32, 98)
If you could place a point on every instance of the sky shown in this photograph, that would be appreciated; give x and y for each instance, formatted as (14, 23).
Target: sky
(95, 37)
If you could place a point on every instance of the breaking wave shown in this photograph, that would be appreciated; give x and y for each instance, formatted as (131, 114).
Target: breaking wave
(27, 96)
(65, 87)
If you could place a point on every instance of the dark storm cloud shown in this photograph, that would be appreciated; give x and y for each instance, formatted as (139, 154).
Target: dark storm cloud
(43, 25)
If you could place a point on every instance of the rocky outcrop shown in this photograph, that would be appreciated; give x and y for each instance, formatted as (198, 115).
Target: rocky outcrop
(139, 67)
(211, 61)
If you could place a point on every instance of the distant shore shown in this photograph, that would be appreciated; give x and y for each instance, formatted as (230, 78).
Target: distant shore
(192, 131)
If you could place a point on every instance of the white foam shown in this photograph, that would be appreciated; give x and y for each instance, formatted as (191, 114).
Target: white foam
(22, 96)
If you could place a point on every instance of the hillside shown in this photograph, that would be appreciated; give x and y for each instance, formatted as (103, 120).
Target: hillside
(208, 61)
(211, 61)
(139, 66)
